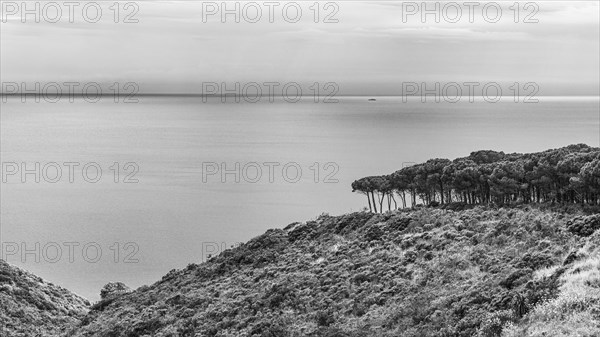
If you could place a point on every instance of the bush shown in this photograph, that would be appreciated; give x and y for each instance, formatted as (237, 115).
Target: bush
(493, 323)
(114, 289)
(584, 225)
(324, 318)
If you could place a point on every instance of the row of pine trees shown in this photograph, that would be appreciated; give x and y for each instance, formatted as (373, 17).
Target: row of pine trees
(567, 175)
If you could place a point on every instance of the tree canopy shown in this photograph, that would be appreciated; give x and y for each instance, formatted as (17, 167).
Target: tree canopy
(566, 175)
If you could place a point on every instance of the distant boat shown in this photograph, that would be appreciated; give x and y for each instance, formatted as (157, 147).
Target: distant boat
(372, 99)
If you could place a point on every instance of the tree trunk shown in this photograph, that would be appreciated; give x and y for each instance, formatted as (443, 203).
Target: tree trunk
(374, 204)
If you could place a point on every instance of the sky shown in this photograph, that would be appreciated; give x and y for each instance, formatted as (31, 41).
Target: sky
(366, 48)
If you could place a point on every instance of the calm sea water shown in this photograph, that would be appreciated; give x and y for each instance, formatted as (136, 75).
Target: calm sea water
(170, 214)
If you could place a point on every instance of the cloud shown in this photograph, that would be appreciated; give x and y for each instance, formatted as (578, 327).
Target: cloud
(370, 43)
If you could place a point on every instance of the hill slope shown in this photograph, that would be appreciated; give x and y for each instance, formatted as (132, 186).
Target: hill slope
(427, 272)
(30, 306)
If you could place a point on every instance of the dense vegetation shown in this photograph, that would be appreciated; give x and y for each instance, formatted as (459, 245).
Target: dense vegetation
(508, 247)
(484, 271)
(567, 175)
(31, 307)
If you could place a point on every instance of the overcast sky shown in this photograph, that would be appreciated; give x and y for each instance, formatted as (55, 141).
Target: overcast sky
(371, 50)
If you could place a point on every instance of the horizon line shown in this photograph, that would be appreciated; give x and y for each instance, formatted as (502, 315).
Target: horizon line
(234, 95)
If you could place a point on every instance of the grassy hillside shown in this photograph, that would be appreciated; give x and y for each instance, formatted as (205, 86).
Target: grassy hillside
(575, 311)
(30, 306)
(429, 272)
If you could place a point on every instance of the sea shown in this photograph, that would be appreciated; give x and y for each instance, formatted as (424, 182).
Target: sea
(110, 191)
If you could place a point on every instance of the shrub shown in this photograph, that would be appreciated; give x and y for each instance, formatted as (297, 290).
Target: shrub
(492, 324)
(324, 318)
(114, 289)
(584, 225)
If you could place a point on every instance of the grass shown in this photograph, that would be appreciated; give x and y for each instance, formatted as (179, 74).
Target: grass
(576, 310)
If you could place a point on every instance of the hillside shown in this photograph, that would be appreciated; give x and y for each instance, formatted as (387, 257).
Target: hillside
(506, 245)
(30, 306)
(426, 272)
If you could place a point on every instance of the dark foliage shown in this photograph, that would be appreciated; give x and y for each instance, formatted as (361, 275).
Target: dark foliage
(569, 175)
